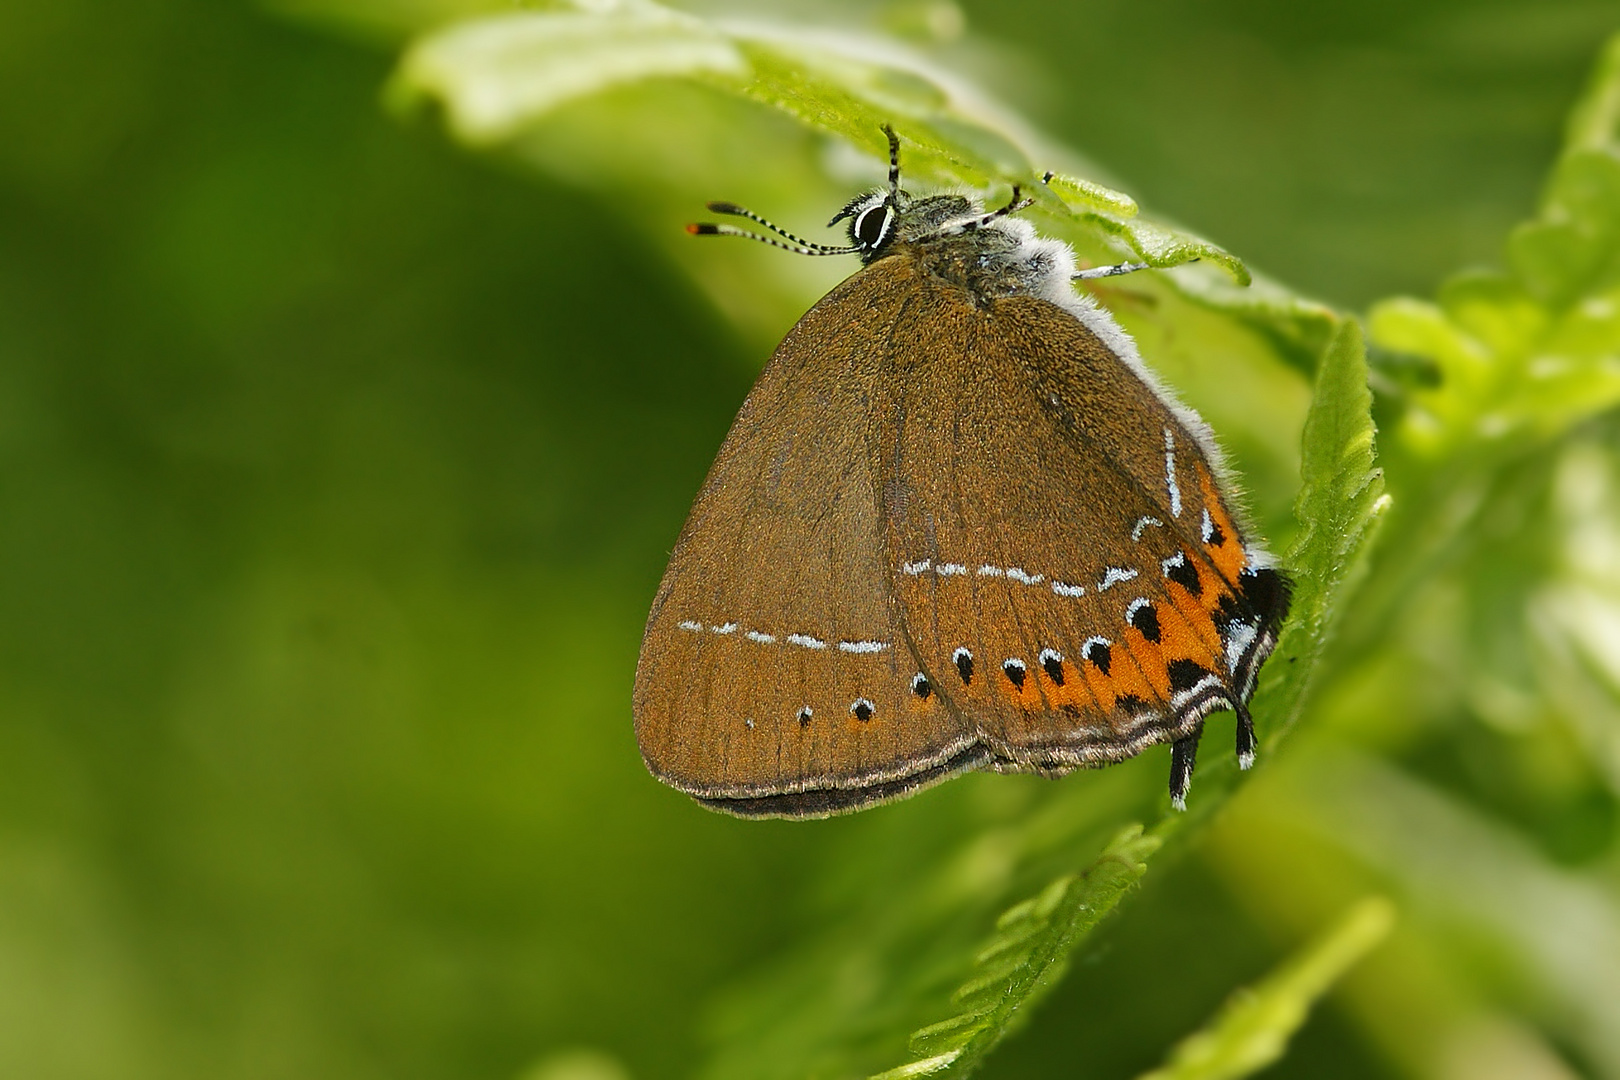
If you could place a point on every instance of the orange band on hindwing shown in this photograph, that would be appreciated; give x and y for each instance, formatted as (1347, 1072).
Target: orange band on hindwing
(1123, 677)
(1180, 639)
(1066, 689)
(1195, 590)
(1150, 659)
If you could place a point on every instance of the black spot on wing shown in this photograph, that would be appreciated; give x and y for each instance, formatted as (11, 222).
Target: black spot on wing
(1014, 670)
(1097, 652)
(1266, 591)
(1131, 705)
(1185, 574)
(1146, 620)
(1186, 674)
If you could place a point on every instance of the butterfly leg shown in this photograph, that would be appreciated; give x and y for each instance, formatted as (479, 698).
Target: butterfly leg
(1109, 271)
(1245, 735)
(1183, 755)
(1014, 205)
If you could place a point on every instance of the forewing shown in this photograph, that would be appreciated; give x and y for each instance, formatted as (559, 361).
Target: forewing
(773, 678)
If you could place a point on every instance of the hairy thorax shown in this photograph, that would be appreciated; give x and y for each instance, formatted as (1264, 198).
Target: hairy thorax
(999, 258)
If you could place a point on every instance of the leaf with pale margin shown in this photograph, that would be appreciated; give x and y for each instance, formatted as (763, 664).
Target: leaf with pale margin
(498, 75)
(1027, 957)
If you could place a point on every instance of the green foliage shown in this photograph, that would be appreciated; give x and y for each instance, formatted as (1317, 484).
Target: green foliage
(1029, 952)
(1252, 1030)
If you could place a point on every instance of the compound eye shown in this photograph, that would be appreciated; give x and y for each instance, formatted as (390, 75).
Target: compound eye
(871, 226)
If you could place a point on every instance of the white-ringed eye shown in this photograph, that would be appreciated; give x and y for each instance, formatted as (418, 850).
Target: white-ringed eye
(871, 226)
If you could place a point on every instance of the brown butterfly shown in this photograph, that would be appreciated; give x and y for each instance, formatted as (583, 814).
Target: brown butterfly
(956, 525)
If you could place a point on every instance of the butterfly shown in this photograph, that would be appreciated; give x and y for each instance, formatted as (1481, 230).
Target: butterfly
(956, 525)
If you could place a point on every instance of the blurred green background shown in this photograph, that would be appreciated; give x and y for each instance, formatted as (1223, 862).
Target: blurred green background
(338, 467)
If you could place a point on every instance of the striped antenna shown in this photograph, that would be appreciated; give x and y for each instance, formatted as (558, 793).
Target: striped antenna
(894, 163)
(743, 211)
(797, 245)
(704, 228)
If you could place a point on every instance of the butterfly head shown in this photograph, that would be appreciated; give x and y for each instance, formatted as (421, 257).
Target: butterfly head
(880, 220)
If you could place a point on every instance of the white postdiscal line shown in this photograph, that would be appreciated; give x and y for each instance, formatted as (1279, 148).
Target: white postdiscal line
(1050, 656)
(1142, 524)
(1209, 526)
(1114, 576)
(1170, 472)
(1016, 573)
(1136, 605)
(1172, 562)
(804, 641)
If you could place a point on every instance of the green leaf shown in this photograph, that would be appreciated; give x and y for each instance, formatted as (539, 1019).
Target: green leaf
(497, 76)
(1570, 248)
(1341, 497)
(1027, 955)
(1072, 189)
(1594, 123)
(1253, 1030)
